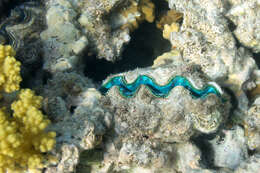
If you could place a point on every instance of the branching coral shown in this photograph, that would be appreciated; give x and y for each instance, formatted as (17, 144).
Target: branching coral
(9, 70)
(22, 129)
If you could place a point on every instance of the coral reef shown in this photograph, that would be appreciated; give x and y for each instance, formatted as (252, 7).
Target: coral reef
(135, 130)
(61, 38)
(80, 129)
(168, 29)
(22, 29)
(195, 109)
(167, 58)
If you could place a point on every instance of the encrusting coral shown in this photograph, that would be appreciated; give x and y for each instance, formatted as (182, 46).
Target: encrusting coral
(22, 129)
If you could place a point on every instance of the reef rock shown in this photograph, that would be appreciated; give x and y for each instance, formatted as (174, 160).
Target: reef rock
(251, 165)
(252, 125)
(205, 39)
(62, 41)
(100, 26)
(245, 15)
(78, 118)
(230, 149)
(189, 157)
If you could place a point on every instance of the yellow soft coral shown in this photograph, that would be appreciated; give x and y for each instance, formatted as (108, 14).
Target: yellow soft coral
(147, 9)
(22, 129)
(168, 29)
(137, 13)
(9, 70)
(22, 135)
(170, 17)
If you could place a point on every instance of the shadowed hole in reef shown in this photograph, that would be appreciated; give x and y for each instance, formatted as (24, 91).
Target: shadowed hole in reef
(88, 159)
(7, 5)
(207, 152)
(31, 71)
(256, 57)
(161, 7)
(145, 45)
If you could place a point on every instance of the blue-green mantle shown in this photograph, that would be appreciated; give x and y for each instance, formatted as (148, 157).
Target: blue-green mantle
(129, 89)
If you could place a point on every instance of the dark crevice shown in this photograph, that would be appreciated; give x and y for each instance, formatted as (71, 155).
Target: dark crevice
(6, 7)
(233, 101)
(237, 43)
(161, 8)
(232, 27)
(252, 152)
(145, 45)
(207, 152)
(256, 57)
(32, 70)
(46, 76)
(72, 109)
(89, 158)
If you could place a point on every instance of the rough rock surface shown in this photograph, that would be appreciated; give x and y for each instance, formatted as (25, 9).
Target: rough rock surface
(246, 15)
(74, 26)
(62, 39)
(230, 150)
(252, 124)
(205, 39)
(251, 165)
